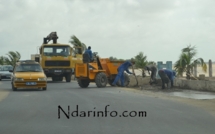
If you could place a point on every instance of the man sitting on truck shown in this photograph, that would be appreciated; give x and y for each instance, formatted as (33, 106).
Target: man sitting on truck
(89, 52)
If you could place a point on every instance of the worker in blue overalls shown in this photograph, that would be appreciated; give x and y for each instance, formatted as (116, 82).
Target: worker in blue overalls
(166, 76)
(121, 69)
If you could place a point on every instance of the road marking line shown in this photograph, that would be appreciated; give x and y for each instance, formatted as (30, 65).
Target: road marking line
(3, 94)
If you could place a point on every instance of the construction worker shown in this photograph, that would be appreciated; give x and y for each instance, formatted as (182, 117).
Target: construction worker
(88, 51)
(121, 69)
(153, 70)
(166, 76)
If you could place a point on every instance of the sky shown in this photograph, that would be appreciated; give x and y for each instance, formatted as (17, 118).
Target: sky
(118, 28)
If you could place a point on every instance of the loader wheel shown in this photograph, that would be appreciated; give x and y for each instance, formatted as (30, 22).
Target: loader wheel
(68, 77)
(126, 80)
(83, 83)
(101, 80)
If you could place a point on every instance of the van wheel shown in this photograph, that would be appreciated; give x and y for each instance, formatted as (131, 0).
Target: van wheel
(14, 89)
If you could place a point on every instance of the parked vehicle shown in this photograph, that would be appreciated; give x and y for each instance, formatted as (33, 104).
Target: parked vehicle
(4, 72)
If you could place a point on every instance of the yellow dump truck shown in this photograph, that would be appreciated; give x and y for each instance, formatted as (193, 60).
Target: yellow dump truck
(58, 60)
(101, 71)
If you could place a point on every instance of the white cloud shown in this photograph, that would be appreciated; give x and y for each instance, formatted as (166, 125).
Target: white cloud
(113, 28)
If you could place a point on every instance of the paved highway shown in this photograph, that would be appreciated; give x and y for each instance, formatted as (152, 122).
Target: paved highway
(36, 111)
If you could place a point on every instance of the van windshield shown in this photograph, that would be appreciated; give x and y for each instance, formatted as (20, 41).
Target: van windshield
(29, 68)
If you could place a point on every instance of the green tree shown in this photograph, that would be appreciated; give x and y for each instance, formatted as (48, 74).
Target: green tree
(12, 58)
(141, 62)
(151, 63)
(187, 61)
(2, 60)
(112, 58)
(77, 43)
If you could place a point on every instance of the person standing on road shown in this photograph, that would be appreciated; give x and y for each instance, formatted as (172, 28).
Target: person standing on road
(153, 70)
(166, 76)
(123, 67)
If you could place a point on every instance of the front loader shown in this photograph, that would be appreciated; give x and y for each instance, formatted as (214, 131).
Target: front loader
(101, 71)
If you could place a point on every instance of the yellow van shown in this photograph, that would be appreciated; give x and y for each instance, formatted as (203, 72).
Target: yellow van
(28, 74)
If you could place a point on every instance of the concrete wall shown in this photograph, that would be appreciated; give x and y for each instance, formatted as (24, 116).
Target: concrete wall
(195, 84)
(141, 81)
(204, 85)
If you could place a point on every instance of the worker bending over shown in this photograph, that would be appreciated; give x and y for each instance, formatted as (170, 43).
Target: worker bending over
(123, 67)
(153, 70)
(166, 76)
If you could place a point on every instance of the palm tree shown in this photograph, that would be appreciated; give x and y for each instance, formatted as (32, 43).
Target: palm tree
(152, 63)
(2, 60)
(112, 58)
(12, 58)
(187, 62)
(141, 62)
(77, 43)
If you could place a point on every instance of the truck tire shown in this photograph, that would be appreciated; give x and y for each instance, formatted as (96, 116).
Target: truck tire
(44, 88)
(101, 80)
(60, 78)
(83, 83)
(53, 79)
(68, 77)
(126, 80)
(57, 78)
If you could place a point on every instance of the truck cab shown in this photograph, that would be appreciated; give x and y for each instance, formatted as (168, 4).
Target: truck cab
(58, 60)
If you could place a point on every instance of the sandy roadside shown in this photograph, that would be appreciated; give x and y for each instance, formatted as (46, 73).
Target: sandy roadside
(3, 93)
(205, 104)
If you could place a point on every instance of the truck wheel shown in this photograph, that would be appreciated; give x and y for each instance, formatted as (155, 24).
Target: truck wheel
(44, 88)
(53, 79)
(101, 80)
(60, 78)
(83, 83)
(68, 77)
(126, 80)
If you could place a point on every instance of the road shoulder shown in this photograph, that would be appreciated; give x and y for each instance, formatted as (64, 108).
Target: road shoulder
(206, 104)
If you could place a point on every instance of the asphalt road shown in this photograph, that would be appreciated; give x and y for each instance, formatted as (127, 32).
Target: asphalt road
(36, 111)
